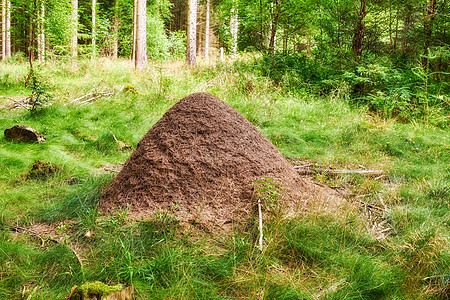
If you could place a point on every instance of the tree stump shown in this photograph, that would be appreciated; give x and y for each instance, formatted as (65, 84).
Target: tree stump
(24, 134)
(100, 291)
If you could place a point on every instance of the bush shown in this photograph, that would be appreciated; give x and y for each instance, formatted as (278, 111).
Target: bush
(177, 44)
(406, 94)
(295, 72)
(157, 41)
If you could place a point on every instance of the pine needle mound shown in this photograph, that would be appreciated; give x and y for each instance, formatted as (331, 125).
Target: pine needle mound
(199, 162)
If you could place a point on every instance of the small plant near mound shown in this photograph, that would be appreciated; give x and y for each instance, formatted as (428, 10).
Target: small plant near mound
(267, 191)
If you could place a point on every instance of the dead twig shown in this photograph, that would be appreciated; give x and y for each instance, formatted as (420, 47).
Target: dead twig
(113, 136)
(20, 102)
(261, 237)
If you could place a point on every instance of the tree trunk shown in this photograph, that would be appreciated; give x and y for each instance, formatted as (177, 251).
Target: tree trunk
(262, 35)
(4, 29)
(8, 29)
(141, 35)
(234, 24)
(41, 32)
(191, 55)
(274, 27)
(116, 29)
(396, 26)
(429, 13)
(31, 40)
(74, 29)
(390, 24)
(285, 40)
(207, 29)
(358, 36)
(133, 34)
(407, 22)
(94, 27)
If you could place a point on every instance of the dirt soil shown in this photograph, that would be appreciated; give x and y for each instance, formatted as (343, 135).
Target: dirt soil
(199, 163)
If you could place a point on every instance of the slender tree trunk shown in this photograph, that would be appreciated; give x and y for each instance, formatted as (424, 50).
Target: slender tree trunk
(200, 29)
(141, 35)
(234, 25)
(8, 29)
(191, 55)
(429, 13)
(3, 29)
(338, 13)
(31, 40)
(261, 37)
(41, 32)
(116, 29)
(390, 24)
(396, 26)
(274, 27)
(133, 34)
(207, 28)
(94, 28)
(408, 20)
(74, 28)
(358, 36)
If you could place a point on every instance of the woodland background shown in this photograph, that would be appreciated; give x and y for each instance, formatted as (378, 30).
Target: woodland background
(334, 85)
(392, 56)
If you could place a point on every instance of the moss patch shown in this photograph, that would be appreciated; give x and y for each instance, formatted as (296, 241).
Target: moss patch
(95, 288)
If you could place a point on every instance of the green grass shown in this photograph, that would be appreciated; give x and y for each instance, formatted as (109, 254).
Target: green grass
(320, 255)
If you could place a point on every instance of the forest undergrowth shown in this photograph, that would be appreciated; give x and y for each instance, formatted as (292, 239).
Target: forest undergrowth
(391, 243)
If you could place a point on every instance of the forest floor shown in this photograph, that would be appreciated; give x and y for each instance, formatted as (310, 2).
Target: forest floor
(392, 241)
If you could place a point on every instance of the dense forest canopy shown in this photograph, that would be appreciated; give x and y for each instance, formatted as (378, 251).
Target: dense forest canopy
(381, 53)
(348, 28)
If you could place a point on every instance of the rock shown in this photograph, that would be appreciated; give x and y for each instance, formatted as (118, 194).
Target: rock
(100, 291)
(24, 134)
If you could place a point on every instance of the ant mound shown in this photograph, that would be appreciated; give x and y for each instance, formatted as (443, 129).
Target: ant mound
(203, 162)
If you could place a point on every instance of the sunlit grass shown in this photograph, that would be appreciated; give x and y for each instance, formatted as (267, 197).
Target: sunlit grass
(317, 256)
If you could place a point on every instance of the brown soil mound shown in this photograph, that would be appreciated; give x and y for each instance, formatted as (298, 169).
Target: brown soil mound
(199, 162)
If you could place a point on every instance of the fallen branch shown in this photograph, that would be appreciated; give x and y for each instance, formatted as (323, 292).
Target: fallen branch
(21, 102)
(97, 97)
(79, 98)
(93, 96)
(307, 170)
